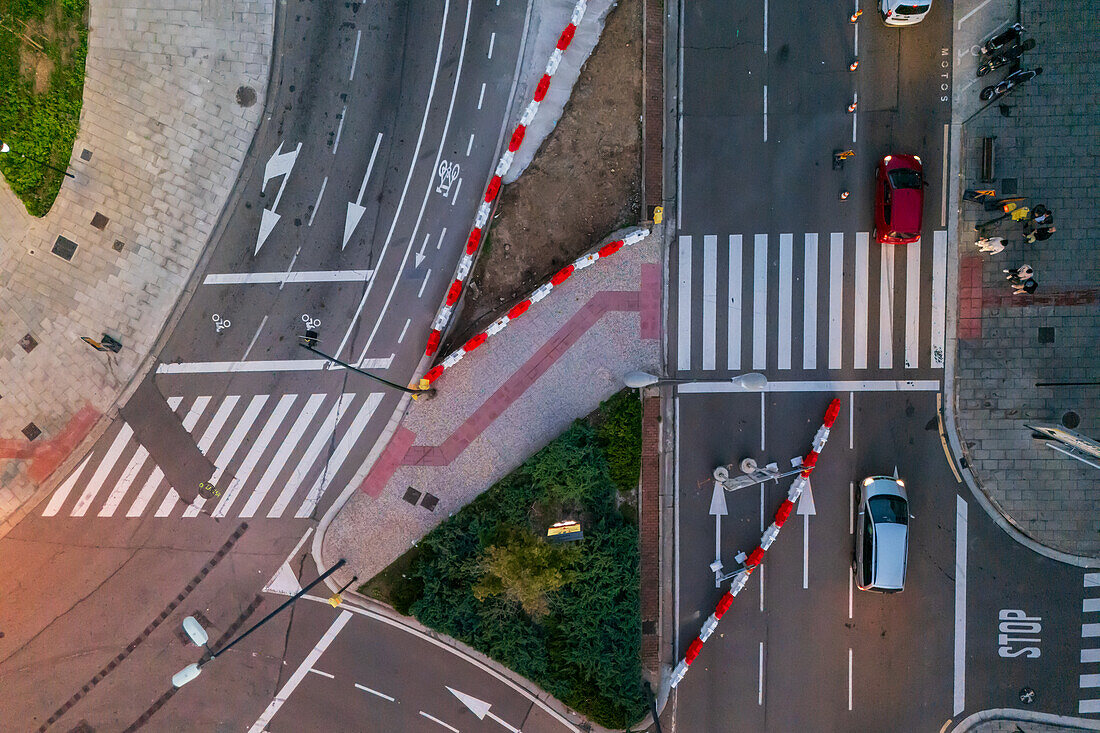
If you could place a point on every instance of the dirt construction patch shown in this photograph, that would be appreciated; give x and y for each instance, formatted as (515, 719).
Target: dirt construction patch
(583, 184)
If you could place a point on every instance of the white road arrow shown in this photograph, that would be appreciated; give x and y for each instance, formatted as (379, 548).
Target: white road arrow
(420, 255)
(480, 708)
(718, 510)
(356, 208)
(806, 508)
(279, 164)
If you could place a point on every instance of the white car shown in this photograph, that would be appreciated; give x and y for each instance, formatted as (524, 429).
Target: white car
(903, 12)
(882, 534)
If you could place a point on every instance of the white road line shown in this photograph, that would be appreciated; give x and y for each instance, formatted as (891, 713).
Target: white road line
(146, 493)
(403, 330)
(762, 431)
(274, 278)
(809, 304)
(355, 54)
(980, 6)
(208, 437)
(855, 39)
(374, 692)
(912, 304)
(1090, 680)
(761, 581)
(786, 277)
(960, 606)
(851, 582)
(762, 525)
(336, 460)
(836, 294)
(299, 674)
(851, 421)
(323, 674)
(760, 302)
(765, 27)
(710, 300)
(676, 523)
(1090, 605)
(133, 468)
(943, 180)
(106, 465)
(1085, 707)
(290, 267)
(339, 129)
(254, 337)
(760, 678)
(1088, 656)
(825, 385)
(253, 457)
(765, 113)
(189, 422)
(229, 450)
(855, 100)
(859, 318)
(354, 322)
(289, 365)
(454, 196)
(850, 678)
(886, 308)
(481, 97)
(427, 189)
(282, 455)
(805, 551)
(439, 244)
(680, 122)
(1090, 630)
(168, 504)
(492, 42)
(424, 284)
(470, 145)
(683, 307)
(317, 203)
(1092, 580)
(321, 438)
(62, 492)
(851, 520)
(733, 326)
(437, 720)
(939, 296)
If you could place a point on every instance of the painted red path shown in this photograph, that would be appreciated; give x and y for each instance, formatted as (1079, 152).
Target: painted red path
(47, 455)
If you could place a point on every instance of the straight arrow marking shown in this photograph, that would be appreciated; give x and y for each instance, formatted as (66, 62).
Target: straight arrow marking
(356, 208)
(718, 509)
(279, 164)
(806, 508)
(480, 708)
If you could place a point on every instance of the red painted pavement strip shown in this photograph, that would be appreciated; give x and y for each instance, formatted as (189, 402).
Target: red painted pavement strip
(970, 298)
(651, 301)
(1063, 298)
(47, 456)
(401, 452)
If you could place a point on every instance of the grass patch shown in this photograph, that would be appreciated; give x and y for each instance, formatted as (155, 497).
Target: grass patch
(567, 617)
(43, 44)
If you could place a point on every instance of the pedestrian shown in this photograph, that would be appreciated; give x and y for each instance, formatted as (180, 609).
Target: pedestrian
(1041, 215)
(1018, 275)
(1041, 234)
(1026, 287)
(992, 245)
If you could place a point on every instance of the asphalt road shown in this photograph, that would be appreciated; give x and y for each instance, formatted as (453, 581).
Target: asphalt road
(773, 272)
(377, 98)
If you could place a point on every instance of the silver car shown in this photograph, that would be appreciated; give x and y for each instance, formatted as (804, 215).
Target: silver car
(882, 534)
(903, 12)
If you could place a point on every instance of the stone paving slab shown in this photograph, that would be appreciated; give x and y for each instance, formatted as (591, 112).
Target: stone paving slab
(504, 402)
(165, 139)
(1045, 149)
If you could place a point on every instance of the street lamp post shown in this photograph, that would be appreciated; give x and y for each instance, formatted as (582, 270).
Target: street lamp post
(751, 382)
(198, 634)
(4, 148)
(308, 341)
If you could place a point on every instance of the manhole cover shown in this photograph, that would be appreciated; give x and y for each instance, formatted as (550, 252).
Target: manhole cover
(28, 343)
(246, 96)
(430, 501)
(411, 495)
(1071, 419)
(31, 431)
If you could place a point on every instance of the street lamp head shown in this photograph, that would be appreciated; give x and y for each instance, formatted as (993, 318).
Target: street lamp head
(185, 675)
(638, 380)
(751, 382)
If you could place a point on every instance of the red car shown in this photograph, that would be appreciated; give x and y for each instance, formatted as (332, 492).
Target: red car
(899, 199)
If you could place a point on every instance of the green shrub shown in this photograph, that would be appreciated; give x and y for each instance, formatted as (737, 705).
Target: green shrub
(620, 437)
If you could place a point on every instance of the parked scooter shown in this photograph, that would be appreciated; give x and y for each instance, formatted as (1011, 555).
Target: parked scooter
(1009, 83)
(1003, 40)
(1010, 55)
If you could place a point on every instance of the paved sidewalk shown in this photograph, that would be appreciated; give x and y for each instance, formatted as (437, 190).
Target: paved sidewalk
(1045, 150)
(173, 94)
(504, 402)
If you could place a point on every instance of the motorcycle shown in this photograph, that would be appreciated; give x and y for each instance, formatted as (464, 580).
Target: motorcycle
(1009, 83)
(1007, 56)
(1003, 39)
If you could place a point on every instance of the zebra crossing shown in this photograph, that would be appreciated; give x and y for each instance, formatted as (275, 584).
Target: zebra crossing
(122, 479)
(1089, 697)
(808, 301)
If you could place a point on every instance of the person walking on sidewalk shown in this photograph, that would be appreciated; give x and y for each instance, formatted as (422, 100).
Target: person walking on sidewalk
(1027, 287)
(1019, 275)
(1040, 234)
(1040, 216)
(992, 245)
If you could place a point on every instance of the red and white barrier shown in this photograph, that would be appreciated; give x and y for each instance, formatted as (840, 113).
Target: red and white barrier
(756, 556)
(541, 292)
(443, 317)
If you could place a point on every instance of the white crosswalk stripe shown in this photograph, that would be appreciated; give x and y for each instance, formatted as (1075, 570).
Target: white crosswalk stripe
(119, 462)
(858, 305)
(1088, 702)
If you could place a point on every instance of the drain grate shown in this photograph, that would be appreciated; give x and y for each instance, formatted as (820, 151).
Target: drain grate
(64, 248)
(412, 495)
(28, 343)
(430, 502)
(1046, 334)
(85, 154)
(99, 221)
(118, 245)
(31, 431)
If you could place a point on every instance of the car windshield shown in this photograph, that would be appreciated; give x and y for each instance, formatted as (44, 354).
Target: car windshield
(911, 9)
(890, 509)
(904, 177)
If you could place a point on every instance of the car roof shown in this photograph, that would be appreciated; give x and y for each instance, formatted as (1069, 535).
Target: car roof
(884, 485)
(905, 214)
(889, 565)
